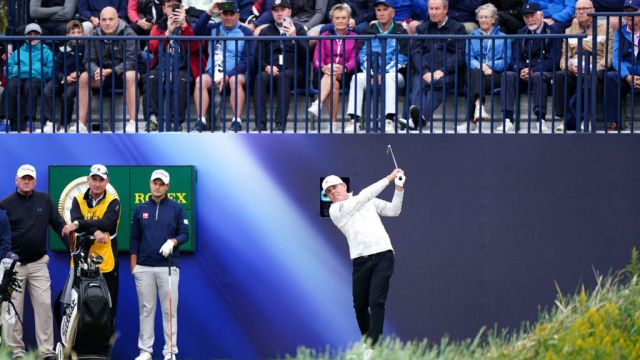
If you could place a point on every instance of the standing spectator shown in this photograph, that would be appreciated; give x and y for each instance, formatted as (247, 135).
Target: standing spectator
(375, 65)
(108, 60)
(97, 212)
(226, 68)
(464, 11)
(30, 214)
(90, 10)
(487, 59)
(158, 228)
(436, 63)
(69, 64)
(171, 63)
(53, 15)
(143, 14)
(335, 58)
(28, 69)
(557, 13)
(626, 74)
(567, 77)
(281, 63)
(533, 60)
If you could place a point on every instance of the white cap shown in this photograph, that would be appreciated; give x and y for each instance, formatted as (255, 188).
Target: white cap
(100, 170)
(26, 170)
(330, 181)
(162, 175)
(32, 27)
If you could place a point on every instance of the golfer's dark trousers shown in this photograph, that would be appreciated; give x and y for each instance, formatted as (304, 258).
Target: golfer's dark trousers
(371, 275)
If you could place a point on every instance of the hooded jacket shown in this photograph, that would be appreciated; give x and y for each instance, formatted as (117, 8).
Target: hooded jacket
(118, 55)
(31, 61)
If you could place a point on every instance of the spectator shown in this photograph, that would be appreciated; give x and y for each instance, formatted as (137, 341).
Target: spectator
(69, 64)
(28, 69)
(90, 10)
(534, 61)
(308, 13)
(107, 60)
(509, 15)
(227, 65)
(557, 13)
(436, 63)
(196, 8)
(335, 59)
(626, 74)
(567, 78)
(143, 14)
(171, 63)
(281, 64)
(53, 16)
(464, 11)
(373, 62)
(487, 59)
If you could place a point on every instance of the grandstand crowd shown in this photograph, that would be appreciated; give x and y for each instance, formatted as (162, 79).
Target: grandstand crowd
(352, 65)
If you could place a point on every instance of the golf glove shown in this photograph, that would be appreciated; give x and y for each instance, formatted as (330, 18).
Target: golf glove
(167, 248)
(400, 178)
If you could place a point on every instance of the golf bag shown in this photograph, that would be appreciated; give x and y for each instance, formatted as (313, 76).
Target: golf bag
(8, 284)
(86, 324)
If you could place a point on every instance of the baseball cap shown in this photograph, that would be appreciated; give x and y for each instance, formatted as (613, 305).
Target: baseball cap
(283, 3)
(530, 8)
(162, 175)
(33, 27)
(387, 3)
(26, 170)
(634, 4)
(330, 181)
(228, 6)
(100, 170)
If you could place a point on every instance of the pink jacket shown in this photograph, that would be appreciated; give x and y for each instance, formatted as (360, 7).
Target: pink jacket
(334, 50)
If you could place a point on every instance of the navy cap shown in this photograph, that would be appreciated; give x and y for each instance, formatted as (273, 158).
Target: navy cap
(388, 3)
(634, 4)
(283, 3)
(228, 6)
(530, 8)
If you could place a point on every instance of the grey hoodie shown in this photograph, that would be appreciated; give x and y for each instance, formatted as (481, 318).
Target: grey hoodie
(112, 54)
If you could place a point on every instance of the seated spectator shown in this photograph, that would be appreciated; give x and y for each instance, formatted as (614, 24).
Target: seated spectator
(52, 15)
(143, 14)
(28, 69)
(107, 62)
(69, 64)
(487, 59)
(171, 63)
(226, 67)
(375, 64)
(557, 13)
(435, 63)
(197, 8)
(626, 74)
(509, 15)
(335, 58)
(533, 60)
(464, 11)
(281, 66)
(567, 78)
(308, 13)
(89, 11)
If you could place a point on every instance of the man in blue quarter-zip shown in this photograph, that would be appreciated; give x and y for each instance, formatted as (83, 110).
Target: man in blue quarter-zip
(157, 228)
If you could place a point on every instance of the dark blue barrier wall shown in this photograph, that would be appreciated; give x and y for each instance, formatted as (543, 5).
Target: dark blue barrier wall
(489, 225)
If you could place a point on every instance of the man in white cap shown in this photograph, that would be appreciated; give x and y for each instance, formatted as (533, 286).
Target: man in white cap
(30, 214)
(358, 217)
(158, 228)
(97, 212)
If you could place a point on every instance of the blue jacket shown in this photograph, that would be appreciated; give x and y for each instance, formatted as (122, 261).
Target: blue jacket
(411, 9)
(558, 10)
(396, 50)
(39, 66)
(493, 52)
(89, 8)
(536, 54)
(69, 60)
(5, 235)
(623, 50)
(152, 225)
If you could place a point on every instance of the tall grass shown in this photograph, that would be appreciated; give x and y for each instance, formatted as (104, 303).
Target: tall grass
(603, 323)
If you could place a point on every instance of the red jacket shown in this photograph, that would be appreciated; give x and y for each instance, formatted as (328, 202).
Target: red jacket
(196, 64)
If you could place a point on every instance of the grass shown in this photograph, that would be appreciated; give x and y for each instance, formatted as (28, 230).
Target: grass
(603, 323)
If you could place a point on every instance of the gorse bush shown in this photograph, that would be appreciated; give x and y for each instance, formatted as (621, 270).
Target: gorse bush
(603, 323)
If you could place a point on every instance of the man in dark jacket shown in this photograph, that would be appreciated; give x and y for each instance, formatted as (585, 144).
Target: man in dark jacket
(280, 63)
(30, 214)
(435, 63)
(532, 65)
(158, 228)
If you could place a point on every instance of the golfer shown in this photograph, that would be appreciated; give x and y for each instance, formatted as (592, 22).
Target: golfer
(358, 217)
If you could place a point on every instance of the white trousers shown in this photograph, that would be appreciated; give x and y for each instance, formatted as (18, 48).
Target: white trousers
(151, 283)
(359, 85)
